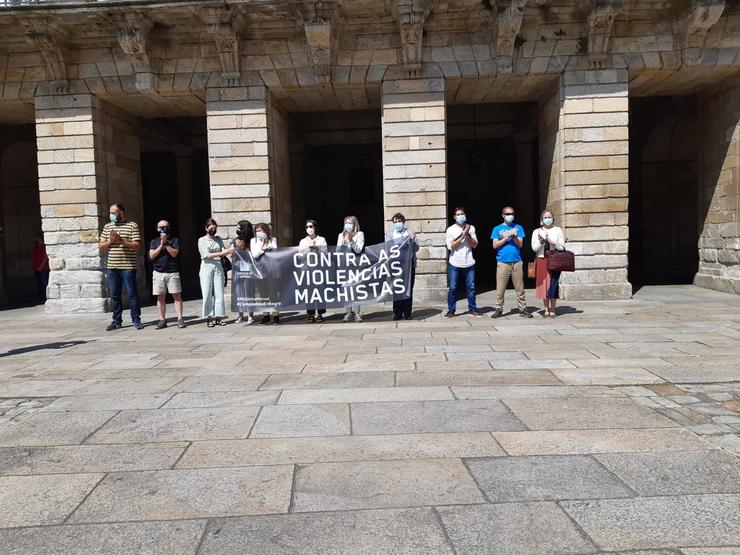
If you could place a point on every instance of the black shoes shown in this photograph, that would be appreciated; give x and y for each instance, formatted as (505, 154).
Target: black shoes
(161, 324)
(113, 326)
(265, 320)
(524, 313)
(138, 326)
(497, 313)
(181, 323)
(276, 320)
(475, 312)
(450, 314)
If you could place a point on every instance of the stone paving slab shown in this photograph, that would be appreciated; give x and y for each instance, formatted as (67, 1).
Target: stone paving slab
(329, 381)
(81, 403)
(137, 426)
(122, 538)
(382, 484)
(58, 388)
(408, 531)
(432, 417)
(222, 399)
(606, 376)
(306, 450)
(228, 383)
(585, 413)
(683, 472)
(364, 395)
(33, 500)
(545, 478)
(53, 428)
(89, 458)
(302, 420)
(476, 378)
(186, 494)
(654, 522)
(532, 392)
(514, 529)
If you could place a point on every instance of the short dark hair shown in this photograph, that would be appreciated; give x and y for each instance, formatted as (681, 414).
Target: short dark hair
(398, 216)
(210, 222)
(245, 230)
(313, 223)
(119, 206)
(458, 209)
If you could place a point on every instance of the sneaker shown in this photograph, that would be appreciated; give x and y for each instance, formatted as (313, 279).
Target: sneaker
(347, 317)
(276, 320)
(161, 324)
(265, 320)
(450, 314)
(239, 319)
(408, 317)
(358, 318)
(138, 326)
(113, 326)
(524, 313)
(310, 319)
(497, 313)
(181, 323)
(475, 312)
(249, 321)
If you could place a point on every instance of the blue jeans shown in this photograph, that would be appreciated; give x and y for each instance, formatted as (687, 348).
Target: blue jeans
(117, 280)
(453, 275)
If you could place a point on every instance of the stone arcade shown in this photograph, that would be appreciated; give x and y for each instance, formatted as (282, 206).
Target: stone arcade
(621, 116)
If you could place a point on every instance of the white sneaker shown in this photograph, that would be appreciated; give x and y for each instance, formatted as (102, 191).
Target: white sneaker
(347, 317)
(239, 320)
(358, 318)
(249, 320)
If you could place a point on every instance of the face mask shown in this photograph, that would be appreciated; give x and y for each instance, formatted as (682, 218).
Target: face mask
(113, 218)
(547, 221)
(309, 231)
(349, 227)
(509, 218)
(165, 230)
(211, 232)
(460, 219)
(260, 235)
(398, 226)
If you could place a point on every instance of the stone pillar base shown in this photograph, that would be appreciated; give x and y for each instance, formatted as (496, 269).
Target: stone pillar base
(430, 289)
(718, 283)
(595, 292)
(64, 306)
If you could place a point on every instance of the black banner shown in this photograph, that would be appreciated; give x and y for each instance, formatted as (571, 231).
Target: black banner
(332, 277)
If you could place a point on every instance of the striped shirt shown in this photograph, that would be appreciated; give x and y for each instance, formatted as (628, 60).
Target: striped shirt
(120, 257)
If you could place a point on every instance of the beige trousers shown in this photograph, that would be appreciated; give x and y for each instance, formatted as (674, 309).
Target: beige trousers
(504, 271)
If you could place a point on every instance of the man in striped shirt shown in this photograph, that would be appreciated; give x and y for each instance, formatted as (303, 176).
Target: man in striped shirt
(121, 240)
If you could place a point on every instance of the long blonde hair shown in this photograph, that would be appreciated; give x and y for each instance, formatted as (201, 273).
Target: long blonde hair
(355, 223)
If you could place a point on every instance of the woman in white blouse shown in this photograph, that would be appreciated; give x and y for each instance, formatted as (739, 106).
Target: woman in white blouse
(352, 239)
(547, 237)
(313, 242)
(263, 242)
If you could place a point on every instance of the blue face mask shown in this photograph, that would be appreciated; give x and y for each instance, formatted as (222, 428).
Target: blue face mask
(509, 218)
(349, 227)
(547, 221)
(460, 219)
(113, 218)
(398, 226)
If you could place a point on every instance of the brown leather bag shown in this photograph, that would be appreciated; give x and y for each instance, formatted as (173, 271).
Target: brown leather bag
(560, 261)
(532, 269)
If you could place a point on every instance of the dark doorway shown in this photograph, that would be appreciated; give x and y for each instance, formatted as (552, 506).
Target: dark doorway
(491, 163)
(336, 171)
(174, 176)
(663, 191)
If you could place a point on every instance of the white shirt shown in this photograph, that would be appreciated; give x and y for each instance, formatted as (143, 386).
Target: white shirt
(462, 255)
(305, 245)
(258, 248)
(553, 235)
(357, 242)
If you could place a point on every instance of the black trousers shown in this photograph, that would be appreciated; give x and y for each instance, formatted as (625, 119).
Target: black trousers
(402, 308)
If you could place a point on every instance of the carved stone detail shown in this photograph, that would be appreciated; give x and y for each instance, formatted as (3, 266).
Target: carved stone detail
(700, 19)
(600, 22)
(508, 22)
(132, 33)
(51, 42)
(222, 26)
(411, 17)
(319, 38)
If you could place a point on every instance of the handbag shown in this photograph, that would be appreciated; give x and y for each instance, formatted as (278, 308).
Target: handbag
(560, 261)
(531, 270)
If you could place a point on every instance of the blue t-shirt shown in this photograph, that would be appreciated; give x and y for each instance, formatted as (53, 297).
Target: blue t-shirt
(509, 251)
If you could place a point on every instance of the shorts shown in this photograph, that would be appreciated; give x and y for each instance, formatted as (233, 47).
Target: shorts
(166, 283)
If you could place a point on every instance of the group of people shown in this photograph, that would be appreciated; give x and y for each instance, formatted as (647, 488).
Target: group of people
(120, 239)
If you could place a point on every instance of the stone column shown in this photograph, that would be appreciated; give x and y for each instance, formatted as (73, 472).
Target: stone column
(719, 188)
(584, 178)
(238, 156)
(71, 184)
(415, 173)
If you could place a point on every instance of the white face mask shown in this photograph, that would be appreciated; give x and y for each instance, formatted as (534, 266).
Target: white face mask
(547, 221)
(348, 227)
(260, 235)
(310, 231)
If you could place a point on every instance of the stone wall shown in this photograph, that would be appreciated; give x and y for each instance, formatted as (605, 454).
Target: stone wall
(414, 173)
(238, 154)
(719, 190)
(584, 129)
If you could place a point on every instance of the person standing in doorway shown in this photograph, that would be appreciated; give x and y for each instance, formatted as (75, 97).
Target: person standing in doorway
(121, 240)
(461, 239)
(398, 234)
(40, 263)
(163, 252)
(313, 242)
(352, 239)
(545, 238)
(212, 277)
(507, 239)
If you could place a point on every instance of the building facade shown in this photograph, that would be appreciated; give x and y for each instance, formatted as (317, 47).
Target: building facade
(622, 117)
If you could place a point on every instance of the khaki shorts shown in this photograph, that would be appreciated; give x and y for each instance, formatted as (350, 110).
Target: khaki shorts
(166, 283)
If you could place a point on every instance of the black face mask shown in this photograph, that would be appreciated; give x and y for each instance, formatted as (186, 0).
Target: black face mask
(165, 230)
(211, 232)
(241, 233)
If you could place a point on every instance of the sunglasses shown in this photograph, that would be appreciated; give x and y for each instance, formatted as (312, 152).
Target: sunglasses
(508, 213)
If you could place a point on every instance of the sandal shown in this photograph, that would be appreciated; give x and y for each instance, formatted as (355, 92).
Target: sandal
(220, 322)
(320, 320)
(210, 323)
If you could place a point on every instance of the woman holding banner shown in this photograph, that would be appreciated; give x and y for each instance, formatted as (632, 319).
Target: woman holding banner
(212, 277)
(262, 243)
(244, 236)
(399, 234)
(352, 240)
(313, 242)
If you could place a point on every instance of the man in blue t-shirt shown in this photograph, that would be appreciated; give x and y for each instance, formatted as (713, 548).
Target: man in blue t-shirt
(507, 239)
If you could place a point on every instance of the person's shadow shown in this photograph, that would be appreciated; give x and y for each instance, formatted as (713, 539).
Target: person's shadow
(45, 346)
